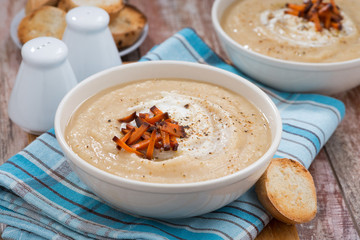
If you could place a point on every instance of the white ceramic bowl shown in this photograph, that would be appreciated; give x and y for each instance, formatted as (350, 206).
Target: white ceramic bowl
(166, 200)
(291, 76)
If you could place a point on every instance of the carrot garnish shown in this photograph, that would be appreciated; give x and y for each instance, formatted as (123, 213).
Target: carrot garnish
(128, 118)
(173, 129)
(155, 130)
(324, 15)
(155, 110)
(144, 116)
(158, 118)
(150, 149)
(126, 136)
(122, 144)
(138, 121)
(141, 145)
(165, 140)
(138, 133)
(173, 143)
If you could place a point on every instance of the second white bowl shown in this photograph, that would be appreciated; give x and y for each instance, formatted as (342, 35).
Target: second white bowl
(290, 76)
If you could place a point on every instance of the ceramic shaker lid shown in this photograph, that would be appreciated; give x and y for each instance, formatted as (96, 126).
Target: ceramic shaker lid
(87, 18)
(44, 52)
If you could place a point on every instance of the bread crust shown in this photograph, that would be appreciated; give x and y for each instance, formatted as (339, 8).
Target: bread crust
(32, 5)
(62, 5)
(45, 21)
(127, 26)
(111, 7)
(287, 191)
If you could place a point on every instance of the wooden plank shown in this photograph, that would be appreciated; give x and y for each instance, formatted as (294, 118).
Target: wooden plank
(278, 230)
(344, 152)
(12, 138)
(333, 220)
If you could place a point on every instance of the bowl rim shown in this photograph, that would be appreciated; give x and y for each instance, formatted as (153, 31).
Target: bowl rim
(168, 187)
(272, 60)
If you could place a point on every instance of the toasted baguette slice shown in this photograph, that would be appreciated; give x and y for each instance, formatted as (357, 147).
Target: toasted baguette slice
(112, 7)
(32, 5)
(46, 21)
(287, 191)
(127, 26)
(63, 6)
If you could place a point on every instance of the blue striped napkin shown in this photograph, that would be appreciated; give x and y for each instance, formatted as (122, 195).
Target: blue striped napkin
(42, 198)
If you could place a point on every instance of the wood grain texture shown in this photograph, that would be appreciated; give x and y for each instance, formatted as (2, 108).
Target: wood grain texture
(336, 169)
(278, 230)
(12, 138)
(344, 152)
(333, 220)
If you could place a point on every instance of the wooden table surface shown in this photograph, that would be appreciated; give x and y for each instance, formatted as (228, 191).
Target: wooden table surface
(336, 170)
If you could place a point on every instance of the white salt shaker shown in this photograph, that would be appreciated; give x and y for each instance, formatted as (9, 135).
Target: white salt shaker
(43, 79)
(91, 45)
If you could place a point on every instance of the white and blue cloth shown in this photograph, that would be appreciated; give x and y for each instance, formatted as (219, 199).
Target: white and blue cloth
(42, 198)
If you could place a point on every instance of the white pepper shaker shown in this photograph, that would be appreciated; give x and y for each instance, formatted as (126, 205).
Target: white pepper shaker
(43, 79)
(91, 45)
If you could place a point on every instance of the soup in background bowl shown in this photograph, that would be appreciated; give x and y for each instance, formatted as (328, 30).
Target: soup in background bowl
(285, 52)
(266, 28)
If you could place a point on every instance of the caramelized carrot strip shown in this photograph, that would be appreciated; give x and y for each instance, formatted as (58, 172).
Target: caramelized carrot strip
(327, 21)
(146, 135)
(173, 143)
(126, 136)
(141, 145)
(335, 8)
(296, 7)
(324, 10)
(144, 115)
(172, 129)
(150, 149)
(129, 126)
(124, 131)
(158, 118)
(128, 118)
(122, 144)
(127, 129)
(155, 110)
(171, 121)
(308, 6)
(165, 140)
(336, 18)
(138, 133)
(158, 144)
(316, 20)
(337, 26)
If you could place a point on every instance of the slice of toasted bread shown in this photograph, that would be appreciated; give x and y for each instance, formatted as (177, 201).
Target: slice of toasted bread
(287, 191)
(32, 5)
(46, 21)
(112, 7)
(63, 6)
(127, 26)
